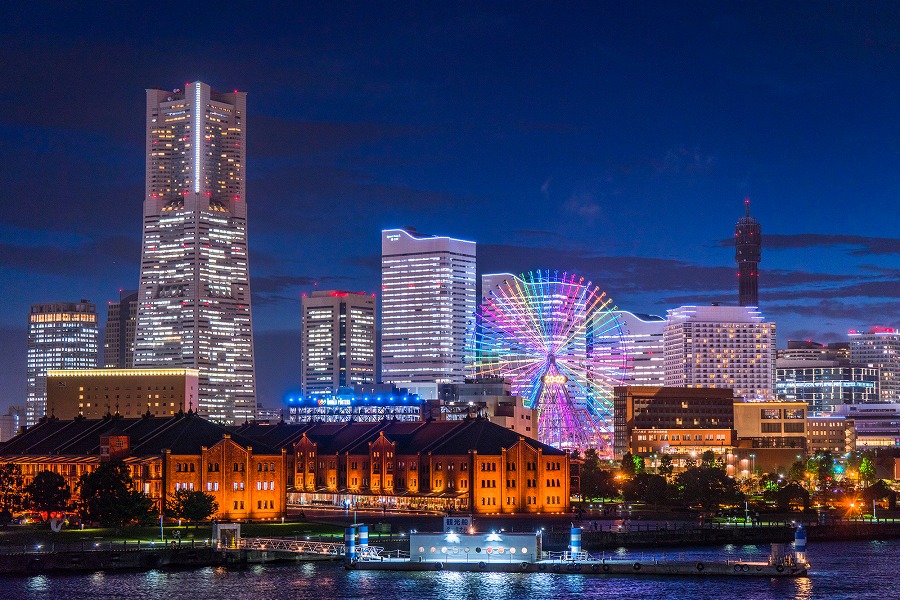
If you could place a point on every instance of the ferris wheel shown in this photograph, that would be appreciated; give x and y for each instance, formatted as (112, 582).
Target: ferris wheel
(556, 340)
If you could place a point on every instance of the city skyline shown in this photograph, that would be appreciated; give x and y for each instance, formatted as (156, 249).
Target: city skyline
(616, 144)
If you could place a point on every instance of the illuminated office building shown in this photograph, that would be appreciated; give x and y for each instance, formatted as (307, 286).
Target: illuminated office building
(118, 339)
(338, 347)
(194, 296)
(879, 347)
(721, 347)
(61, 335)
(427, 304)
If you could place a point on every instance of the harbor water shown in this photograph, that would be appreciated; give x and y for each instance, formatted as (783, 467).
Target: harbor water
(848, 570)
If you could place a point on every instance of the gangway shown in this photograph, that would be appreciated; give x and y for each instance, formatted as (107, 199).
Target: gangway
(290, 545)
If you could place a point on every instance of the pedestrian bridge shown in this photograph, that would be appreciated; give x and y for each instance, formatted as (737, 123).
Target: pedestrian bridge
(296, 546)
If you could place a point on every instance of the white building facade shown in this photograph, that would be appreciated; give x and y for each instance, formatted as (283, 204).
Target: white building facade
(427, 306)
(194, 294)
(721, 347)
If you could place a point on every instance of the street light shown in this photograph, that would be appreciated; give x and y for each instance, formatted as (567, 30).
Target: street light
(752, 464)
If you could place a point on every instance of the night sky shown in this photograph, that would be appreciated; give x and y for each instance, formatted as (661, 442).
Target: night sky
(616, 142)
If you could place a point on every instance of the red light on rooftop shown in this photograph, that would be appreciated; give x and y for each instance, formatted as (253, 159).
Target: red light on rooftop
(339, 294)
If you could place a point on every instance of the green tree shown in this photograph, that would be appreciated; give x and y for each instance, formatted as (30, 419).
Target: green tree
(191, 506)
(628, 465)
(707, 486)
(867, 470)
(788, 496)
(596, 483)
(708, 459)
(665, 467)
(797, 472)
(47, 492)
(824, 467)
(108, 497)
(640, 466)
(645, 488)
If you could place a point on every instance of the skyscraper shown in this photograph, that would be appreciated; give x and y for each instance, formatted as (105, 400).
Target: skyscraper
(61, 335)
(721, 347)
(118, 339)
(747, 254)
(427, 304)
(338, 347)
(879, 347)
(194, 296)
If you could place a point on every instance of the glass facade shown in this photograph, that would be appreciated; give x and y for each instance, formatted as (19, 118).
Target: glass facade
(61, 335)
(194, 296)
(825, 386)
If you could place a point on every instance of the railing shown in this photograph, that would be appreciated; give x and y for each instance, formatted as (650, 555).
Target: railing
(298, 546)
(101, 546)
(567, 556)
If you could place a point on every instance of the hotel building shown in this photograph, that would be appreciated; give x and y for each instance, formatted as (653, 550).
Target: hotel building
(427, 306)
(338, 347)
(61, 335)
(721, 347)
(194, 296)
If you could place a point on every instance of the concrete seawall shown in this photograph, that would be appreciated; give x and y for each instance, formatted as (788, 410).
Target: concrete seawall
(30, 563)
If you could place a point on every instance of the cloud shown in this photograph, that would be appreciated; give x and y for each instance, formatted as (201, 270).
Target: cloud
(583, 205)
(269, 288)
(302, 191)
(680, 160)
(865, 289)
(635, 274)
(844, 309)
(856, 245)
(91, 255)
(271, 136)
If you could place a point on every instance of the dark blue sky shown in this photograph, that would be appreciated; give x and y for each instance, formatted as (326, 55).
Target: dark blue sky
(615, 142)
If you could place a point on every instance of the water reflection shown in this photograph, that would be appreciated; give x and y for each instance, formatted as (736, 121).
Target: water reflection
(852, 571)
(39, 583)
